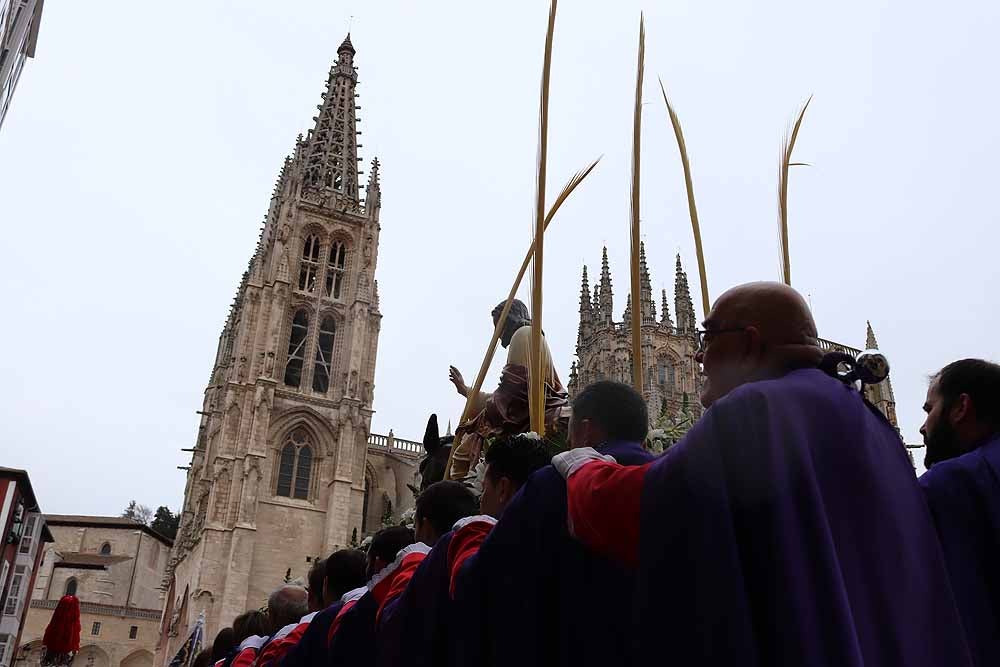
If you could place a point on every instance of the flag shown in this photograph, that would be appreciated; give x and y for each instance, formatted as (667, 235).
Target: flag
(192, 645)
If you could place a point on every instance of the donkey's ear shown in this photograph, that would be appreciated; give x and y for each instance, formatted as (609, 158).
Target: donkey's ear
(432, 438)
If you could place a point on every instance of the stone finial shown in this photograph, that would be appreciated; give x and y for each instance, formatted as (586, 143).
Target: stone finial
(683, 306)
(870, 342)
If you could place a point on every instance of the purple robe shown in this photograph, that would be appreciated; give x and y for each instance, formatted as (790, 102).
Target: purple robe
(535, 596)
(413, 629)
(964, 497)
(354, 642)
(312, 649)
(787, 528)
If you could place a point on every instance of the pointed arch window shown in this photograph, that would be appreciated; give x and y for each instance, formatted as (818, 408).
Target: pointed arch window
(286, 470)
(310, 264)
(297, 348)
(323, 367)
(106, 549)
(70, 586)
(295, 466)
(335, 264)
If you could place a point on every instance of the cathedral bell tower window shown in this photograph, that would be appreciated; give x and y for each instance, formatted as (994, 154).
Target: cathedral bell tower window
(324, 355)
(310, 264)
(335, 269)
(295, 466)
(296, 349)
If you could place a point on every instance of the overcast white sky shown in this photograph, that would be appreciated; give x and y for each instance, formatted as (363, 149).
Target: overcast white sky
(138, 157)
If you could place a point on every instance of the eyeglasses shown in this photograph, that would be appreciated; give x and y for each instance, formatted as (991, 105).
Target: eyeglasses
(705, 336)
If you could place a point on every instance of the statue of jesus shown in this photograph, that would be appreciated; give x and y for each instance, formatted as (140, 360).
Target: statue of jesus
(505, 411)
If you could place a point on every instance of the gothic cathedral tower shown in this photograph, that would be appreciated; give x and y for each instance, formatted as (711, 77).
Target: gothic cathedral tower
(277, 473)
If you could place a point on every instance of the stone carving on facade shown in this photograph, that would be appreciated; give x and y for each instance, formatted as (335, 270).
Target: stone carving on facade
(251, 488)
(241, 375)
(223, 484)
(353, 387)
(368, 251)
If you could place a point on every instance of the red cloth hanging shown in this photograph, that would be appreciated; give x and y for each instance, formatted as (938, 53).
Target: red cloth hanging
(63, 632)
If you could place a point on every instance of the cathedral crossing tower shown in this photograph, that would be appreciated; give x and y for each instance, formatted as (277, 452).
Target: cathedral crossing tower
(277, 475)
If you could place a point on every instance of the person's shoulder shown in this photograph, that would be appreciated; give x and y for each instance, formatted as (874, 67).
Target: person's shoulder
(953, 471)
(522, 334)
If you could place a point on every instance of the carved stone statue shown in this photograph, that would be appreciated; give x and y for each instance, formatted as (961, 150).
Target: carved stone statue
(505, 411)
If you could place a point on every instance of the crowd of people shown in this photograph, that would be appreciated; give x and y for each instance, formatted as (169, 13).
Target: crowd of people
(786, 528)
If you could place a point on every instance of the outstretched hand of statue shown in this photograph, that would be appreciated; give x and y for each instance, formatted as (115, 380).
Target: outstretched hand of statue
(456, 379)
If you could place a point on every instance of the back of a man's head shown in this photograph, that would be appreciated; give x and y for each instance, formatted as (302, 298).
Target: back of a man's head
(250, 623)
(224, 644)
(287, 605)
(516, 458)
(317, 573)
(439, 506)
(345, 571)
(980, 380)
(384, 547)
(616, 409)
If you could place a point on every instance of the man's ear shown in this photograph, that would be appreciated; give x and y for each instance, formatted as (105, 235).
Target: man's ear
(961, 409)
(505, 488)
(753, 344)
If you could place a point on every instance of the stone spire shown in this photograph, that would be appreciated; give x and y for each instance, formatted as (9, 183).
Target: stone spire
(373, 191)
(627, 321)
(665, 311)
(645, 288)
(330, 149)
(683, 307)
(606, 302)
(595, 305)
(870, 342)
(586, 313)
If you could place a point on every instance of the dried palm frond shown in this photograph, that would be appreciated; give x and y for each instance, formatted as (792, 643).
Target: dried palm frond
(477, 386)
(692, 209)
(634, 211)
(536, 379)
(786, 162)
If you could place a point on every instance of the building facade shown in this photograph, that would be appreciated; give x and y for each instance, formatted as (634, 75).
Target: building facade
(24, 533)
(19, 22)
(672, 381)
(672, 378)
(115, 567)
(280, 471)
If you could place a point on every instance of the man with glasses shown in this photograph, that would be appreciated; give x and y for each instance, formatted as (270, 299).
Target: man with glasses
(786, 527)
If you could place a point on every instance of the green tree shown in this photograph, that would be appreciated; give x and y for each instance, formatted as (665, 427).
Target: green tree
(165, 522)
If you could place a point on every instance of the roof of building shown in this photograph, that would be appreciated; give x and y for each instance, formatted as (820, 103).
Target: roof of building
(104, 522)
(30, 501)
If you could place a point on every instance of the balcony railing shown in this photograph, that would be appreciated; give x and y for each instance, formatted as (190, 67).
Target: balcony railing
(103, 609)
(396, 445)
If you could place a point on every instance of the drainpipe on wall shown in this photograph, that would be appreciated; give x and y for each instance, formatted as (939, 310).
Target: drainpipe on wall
(131, 582)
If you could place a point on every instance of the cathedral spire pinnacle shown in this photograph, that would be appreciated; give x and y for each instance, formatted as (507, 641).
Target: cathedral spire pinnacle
(584, 293)
(665, 311)
(330, 149)
(586, 309)
(607, 314)
(648, 306)
(683, 306)
(870, 342)
(373, 191)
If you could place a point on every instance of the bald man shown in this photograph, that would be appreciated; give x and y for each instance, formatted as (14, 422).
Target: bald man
(786, 528)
